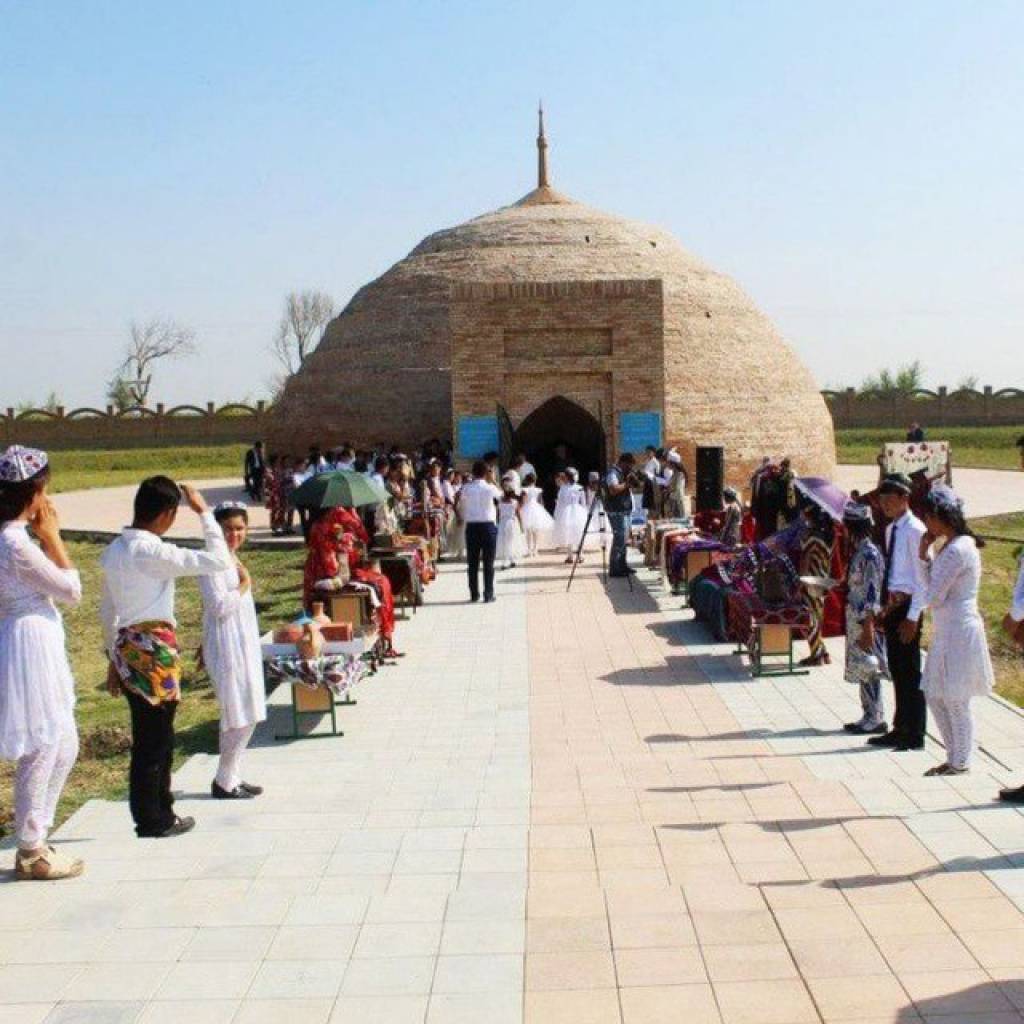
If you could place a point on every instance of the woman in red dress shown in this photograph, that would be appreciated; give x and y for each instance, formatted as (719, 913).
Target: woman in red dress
(348, 532)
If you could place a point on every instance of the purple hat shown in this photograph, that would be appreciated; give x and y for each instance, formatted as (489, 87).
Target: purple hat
(19, 464)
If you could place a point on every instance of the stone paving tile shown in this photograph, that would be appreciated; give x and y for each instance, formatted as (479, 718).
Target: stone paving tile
(592, 815)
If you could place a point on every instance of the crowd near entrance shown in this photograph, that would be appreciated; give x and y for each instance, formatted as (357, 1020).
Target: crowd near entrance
(557, 435)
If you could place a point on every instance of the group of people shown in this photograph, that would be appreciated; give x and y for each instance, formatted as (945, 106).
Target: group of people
(507, 521)
(37, 689)
(926, 565)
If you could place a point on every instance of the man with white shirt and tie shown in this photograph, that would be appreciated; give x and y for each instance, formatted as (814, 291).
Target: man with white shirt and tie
(478, 509)
(904, 591)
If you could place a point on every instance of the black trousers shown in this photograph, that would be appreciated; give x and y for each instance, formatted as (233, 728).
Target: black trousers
(254, 485)
(911, 714)
(481, 543)
(149, 778)
(617, 558)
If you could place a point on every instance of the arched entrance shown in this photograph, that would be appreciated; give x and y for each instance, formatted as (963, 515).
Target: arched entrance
(557, 434)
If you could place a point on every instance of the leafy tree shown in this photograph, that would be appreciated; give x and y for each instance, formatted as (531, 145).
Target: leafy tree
(902, 381)
(51, 404)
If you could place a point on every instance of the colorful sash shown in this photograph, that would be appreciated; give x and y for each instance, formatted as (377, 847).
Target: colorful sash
(148, 660)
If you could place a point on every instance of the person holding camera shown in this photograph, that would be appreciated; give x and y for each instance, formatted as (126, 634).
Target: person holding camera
(618, 506)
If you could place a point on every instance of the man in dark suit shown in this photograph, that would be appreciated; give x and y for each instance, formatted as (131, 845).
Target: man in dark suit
(255, 469)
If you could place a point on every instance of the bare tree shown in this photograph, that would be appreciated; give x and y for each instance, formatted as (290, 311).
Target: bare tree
(150, 342)
(305, 318)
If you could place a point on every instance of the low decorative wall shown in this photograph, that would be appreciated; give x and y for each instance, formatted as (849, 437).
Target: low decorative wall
(238, 423)
(965, 407)
(136, 428)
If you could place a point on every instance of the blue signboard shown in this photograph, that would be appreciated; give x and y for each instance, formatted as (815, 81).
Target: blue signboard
(637, 430)
(478, 435)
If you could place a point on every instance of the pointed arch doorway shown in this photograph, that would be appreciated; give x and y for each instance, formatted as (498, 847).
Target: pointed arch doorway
(557, 434)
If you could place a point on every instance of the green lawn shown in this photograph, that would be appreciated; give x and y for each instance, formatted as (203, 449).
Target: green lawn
(102, 768)
(999, 558)
(973, 447)
(79, 469)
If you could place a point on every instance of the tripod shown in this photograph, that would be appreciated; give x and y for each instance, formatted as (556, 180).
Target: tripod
(596, 503)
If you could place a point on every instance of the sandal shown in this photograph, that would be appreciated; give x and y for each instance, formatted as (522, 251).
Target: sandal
(938, 769)
(46, 865)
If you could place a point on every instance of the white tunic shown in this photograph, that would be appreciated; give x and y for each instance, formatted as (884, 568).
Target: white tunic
(231, 650)
(37, 691)
(958, 665)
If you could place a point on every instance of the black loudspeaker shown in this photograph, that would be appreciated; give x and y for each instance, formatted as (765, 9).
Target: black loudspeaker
(710, 479)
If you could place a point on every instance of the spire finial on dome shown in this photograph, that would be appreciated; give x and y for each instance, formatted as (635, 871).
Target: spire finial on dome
(542, 149)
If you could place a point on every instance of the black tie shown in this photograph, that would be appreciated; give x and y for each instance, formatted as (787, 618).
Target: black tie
(888, 562)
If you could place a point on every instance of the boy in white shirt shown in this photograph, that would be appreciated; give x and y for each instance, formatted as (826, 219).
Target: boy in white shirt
(139, 631)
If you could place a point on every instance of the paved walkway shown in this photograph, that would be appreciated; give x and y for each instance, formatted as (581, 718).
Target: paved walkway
(563, 809)
(105, 510)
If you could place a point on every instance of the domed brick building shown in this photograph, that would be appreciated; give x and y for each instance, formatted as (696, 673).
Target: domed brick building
(548, 322)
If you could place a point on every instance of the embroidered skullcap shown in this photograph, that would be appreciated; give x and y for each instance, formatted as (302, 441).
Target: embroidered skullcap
(944, 499)
(232, 506)
(855, 512)
(593, 475)
(19, 463)
(674, 457)
(895, 483)
(573, 473)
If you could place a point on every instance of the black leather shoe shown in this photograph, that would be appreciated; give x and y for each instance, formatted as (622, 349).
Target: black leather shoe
(179, 828)
(490, 600)
(888, 739)
(906, 744)
(475, 598)
(250, 788)
(1012, 796)
(218, 792)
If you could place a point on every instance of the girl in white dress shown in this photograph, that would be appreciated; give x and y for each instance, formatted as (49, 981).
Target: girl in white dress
(232, 655)
(958, 666)
(37, 691)
(537, 522)
(570, 514)
(511, 541)
(456, 547)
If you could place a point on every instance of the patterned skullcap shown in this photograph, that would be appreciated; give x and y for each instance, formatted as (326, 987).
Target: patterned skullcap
(944, 499)
(895, 483)
(18, 463)
(573, 473)
(855, 512)
(674, 457)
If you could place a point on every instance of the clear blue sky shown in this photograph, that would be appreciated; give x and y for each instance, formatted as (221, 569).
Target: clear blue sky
(858, 167)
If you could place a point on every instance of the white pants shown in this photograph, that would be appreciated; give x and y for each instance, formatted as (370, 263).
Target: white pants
(38, 782)
(956, 724)
(232, 745)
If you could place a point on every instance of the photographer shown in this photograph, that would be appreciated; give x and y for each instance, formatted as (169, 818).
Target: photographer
(618, 505)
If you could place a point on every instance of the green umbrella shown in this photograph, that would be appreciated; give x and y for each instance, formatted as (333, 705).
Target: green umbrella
(342, 487)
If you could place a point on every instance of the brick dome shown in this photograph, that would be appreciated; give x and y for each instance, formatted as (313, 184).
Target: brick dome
(383, 371)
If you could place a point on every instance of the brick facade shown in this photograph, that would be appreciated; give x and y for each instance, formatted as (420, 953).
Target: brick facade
(597, 343)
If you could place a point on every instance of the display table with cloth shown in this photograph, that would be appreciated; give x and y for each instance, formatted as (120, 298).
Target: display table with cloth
(320, 684)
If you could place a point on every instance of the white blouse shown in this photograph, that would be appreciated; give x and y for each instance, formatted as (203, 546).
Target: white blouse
(37, 690)
(231, 649)
(958, 665)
